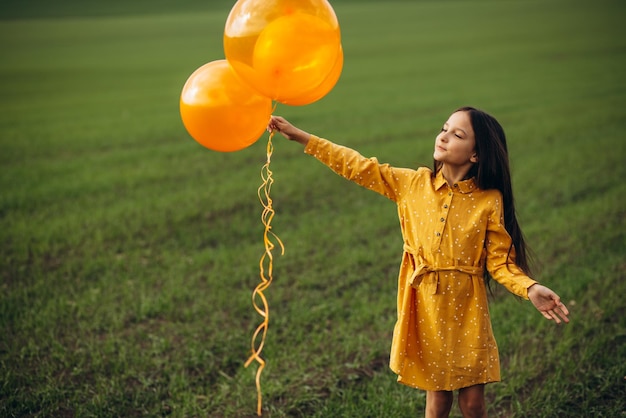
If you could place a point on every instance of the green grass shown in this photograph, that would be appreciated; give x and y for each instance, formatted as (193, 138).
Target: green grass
(129, 252)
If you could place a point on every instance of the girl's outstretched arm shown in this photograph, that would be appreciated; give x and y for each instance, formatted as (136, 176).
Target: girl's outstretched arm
(286, 129)
(548, 303)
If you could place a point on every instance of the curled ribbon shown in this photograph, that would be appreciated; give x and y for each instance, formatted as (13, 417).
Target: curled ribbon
(265, 265)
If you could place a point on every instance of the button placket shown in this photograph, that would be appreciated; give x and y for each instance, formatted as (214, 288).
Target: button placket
(444, 215)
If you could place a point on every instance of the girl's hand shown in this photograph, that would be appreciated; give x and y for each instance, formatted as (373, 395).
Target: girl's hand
(286, 129)
(548, 303)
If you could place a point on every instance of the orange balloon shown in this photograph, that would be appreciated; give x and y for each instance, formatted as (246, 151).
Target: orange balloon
(219, 111)
(282, 48)
(323, 89)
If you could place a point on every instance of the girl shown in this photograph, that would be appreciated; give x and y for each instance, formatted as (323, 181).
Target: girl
(459, 226)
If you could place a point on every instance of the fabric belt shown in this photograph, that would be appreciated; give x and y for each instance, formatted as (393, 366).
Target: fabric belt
(429, 274)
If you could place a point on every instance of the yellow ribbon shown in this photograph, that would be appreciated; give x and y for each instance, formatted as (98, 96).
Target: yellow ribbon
(429, 275)
(265, 264)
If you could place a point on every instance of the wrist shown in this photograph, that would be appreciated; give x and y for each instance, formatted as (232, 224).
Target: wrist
(532, 288)
(302, 137)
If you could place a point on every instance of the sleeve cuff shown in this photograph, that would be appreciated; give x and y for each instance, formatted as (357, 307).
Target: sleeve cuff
(311, 146)
(527, 286)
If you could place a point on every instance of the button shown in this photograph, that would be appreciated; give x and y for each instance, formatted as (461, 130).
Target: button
(442, 219)
(456, 185)
(438, 234)
(445, 206)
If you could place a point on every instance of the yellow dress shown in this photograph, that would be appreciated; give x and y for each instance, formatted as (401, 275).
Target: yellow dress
(442, 339)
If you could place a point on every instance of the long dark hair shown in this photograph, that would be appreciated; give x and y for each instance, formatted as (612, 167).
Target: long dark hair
(492, 172)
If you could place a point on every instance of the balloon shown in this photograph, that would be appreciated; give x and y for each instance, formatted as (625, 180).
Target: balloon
(294, 54)
(219, 111)
(282, 48)
(321, 90)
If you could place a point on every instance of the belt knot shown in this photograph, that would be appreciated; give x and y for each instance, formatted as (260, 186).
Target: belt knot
(429, 274)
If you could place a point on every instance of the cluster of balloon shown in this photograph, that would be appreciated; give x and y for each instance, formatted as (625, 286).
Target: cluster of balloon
(287, 51)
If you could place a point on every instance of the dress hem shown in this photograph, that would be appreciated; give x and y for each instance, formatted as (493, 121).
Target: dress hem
(449, 389)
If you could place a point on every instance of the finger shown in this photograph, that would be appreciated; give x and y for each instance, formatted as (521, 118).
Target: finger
(546, 315)
(554, 316)
(562, 312)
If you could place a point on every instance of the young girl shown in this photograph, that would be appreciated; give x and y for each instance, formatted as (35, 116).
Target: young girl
(459, 227)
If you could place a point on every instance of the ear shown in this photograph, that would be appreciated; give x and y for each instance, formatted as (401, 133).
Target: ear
(474, 158)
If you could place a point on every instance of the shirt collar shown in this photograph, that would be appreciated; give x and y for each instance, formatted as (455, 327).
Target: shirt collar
(464, 186)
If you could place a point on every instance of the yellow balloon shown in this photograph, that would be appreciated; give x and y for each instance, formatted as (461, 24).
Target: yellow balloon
(282, 48)
(219, 111)
(321, 90)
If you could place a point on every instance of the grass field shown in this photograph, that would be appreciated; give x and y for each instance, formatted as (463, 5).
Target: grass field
(129, 252)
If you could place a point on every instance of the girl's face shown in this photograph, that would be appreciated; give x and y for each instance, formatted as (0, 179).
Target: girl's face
(456, 145)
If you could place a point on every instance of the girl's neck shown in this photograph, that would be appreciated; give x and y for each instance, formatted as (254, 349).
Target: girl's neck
(453, 174)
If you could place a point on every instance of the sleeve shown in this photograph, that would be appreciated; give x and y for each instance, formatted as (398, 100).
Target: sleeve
(367, 172)
(500, 262)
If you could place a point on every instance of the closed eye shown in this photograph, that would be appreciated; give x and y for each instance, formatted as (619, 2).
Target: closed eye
(457, 135)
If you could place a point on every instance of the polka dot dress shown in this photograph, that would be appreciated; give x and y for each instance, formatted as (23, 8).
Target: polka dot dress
(442, 339)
